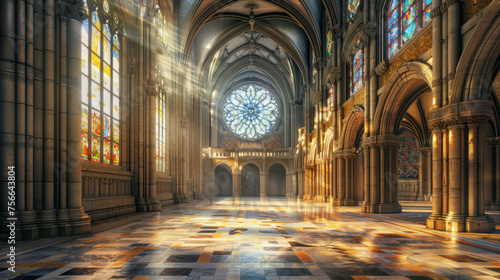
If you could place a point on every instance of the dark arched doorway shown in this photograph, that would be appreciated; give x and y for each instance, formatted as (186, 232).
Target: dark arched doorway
(277, 180)
(250, 180)
(223, 181)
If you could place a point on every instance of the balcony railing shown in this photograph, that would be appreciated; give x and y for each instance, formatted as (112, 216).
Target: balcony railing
(247, 153)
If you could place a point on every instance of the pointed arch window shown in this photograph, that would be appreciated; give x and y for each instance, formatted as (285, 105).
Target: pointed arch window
(357, 72)
(352, 8)
(161, 25)
(100, 84)
(405, 19)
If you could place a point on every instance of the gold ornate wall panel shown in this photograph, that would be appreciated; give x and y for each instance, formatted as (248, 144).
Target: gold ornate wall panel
(414, 51)
(357, 99)
(217, 161)
(472, 7)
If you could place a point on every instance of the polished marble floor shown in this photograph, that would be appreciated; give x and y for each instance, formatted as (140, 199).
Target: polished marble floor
(254, 239)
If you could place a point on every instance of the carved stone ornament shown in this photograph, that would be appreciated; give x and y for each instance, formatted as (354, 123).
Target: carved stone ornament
(382, 67)
(370, 30)
(72, 9)
(437, 82)
(336, 73)
(132, 65)
(151, 88)
(435, 12)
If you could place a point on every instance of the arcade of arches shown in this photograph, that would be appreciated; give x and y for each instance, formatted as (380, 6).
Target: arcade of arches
(112, 107)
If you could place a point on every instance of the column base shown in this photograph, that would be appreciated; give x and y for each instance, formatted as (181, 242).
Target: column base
(155, 204)
(63, 225)
(350, 201)
(483, 224)
(454, 223)
(435, 222)
(47, 225)
(141, 204)
(29, 228)
(319, 198)
(79, 221)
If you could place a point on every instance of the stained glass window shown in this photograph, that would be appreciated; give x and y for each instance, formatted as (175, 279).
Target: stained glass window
(408, 156)
(251, 112)
(314, 75)
(405, 19)
(331, 97)
(161, 25)
(353, 8)
(160, 132)
(100, 85)
(357, 72)
(329, 43)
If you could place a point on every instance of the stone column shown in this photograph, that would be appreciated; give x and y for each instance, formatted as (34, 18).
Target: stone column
(350, 194)
(47, 216)
(78, 219)
(437, 186)
(455, 220)
(300, 183)
(389, 178)
(476, 221)
(454, 39)
(236, 183)
(264, 187)
(437, 57)
(340, 181)
(366, 181)
(374, 178)
(445, 171)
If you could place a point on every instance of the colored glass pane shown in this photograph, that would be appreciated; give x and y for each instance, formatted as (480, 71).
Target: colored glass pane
(96, 149)
(353, 7)
(96, 123)
(107, 77)
(314, 75)
(357, 72)
(251, 112)
(408, 155)
(96, 96)
(116, 42)
(85, 32)
(85, 60)
(329, 43)
(85, 89)
(85, 119)
(116, 132)
(116, 83)
(105, 5)
(106, 151)
(96, 21)
(116, 59)
(96, 68)
(107, 127)
(116, 107)
(85, 146)
(106, 51)
(86, 7)
(116, 154)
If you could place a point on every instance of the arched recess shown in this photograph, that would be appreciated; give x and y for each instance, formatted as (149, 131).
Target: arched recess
(329, 142)
(405, 85)
(223, 180)
(277, 180)
(353, 128)
(250, 180)
(476, 66)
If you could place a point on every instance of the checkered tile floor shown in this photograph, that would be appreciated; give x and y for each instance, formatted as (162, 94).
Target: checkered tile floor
(253, 239)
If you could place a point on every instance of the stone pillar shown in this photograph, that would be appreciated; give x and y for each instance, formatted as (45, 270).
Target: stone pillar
(264, 187)
(445, 171)
(291, 192)
(350, 194)
(455, 220)
(236, 183)
(476, 221)
(47, 216)
(340, 181)
(366, 181)
(437, 57)
(78, 219)
(437, 186)
(301, 183)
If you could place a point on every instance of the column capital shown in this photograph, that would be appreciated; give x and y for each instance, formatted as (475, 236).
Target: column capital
(495, 141)
(72, 9)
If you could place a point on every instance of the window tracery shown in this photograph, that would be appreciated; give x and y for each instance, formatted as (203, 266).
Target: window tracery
(100, 84)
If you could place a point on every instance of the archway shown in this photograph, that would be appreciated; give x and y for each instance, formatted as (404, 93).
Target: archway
(223, 181)
(277, 180)
(250, 181)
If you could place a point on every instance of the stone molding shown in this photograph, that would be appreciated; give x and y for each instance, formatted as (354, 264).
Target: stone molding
(132, 65)
(478, 111)
(382, 67)
(151, 88)
(72, 9)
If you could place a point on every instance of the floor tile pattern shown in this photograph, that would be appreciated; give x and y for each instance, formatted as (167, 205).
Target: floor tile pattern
(253, 239)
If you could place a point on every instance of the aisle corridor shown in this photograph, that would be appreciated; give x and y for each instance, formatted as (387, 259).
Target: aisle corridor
(253, 239)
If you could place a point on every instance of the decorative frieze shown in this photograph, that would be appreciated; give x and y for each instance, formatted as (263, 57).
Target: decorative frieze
(151, 88)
